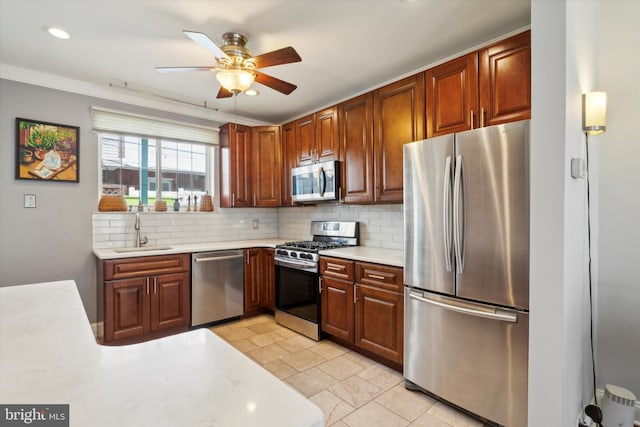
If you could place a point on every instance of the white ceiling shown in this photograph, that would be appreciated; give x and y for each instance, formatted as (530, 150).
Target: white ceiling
(347, 46)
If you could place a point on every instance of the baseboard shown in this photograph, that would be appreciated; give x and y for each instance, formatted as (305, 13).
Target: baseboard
(98, 330)
(636, 422)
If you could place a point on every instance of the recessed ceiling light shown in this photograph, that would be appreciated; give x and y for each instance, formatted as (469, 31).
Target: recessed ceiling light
(58, 33)
(251, 92)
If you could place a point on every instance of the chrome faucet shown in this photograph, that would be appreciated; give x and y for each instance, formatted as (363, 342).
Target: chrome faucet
(139, 242)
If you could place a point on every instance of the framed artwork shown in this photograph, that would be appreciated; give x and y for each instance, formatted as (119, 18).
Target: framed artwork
(47, 151)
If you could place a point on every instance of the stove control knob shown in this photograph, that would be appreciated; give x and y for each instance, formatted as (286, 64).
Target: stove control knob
(282, 252)
(307, 256)
(293, 255)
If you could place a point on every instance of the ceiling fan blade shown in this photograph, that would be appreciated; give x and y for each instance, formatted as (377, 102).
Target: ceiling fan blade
(181, 69)
(276, 84)
(223, 93)
(204, 41)
(286, 55)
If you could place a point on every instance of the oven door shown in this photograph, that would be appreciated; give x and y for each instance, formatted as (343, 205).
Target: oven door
(297, 292)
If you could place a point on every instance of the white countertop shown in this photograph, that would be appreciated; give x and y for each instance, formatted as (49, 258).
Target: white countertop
(384, 256)
(48, 355)
(110, 253)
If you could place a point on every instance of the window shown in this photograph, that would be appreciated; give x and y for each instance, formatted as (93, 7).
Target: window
(175, 160)
(147, 169)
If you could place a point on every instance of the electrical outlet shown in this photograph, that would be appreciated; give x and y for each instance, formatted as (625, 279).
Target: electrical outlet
(256, 224)
(29, 200)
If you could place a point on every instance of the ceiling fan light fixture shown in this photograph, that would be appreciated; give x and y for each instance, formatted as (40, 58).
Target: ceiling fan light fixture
(234, 80)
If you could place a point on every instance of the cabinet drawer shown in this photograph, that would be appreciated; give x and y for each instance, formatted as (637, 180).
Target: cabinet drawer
(145, 266)
(382, 276)
(337, 267)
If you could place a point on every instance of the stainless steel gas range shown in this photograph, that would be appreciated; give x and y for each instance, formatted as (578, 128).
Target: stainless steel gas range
(298, 277)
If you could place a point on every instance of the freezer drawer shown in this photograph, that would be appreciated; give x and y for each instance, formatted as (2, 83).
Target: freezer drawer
(472, 355)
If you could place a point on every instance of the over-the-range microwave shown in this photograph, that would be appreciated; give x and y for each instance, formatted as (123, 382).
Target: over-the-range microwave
(317, 182)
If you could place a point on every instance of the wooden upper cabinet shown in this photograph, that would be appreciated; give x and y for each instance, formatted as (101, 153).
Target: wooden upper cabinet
(306, 134)
(289, 160)
(356, 149)
(235, 166)
(317, 137)
(484, 88)
(265, 166)
(398, 117)
(505, 80)
(452, 96)
(327, 142)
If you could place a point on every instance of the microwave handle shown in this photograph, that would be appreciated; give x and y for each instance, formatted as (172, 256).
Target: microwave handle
(322, 181)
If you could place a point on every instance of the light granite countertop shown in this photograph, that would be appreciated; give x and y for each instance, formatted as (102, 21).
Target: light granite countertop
(49, 356)
(384, 256)
(112, 253)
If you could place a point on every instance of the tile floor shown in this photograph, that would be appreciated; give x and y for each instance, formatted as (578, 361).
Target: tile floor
(351, 389)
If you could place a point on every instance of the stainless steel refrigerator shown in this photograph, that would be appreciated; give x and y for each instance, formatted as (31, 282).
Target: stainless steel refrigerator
(466, 258)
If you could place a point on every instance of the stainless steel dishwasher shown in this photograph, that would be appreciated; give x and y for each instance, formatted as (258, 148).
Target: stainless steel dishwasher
(217, 286)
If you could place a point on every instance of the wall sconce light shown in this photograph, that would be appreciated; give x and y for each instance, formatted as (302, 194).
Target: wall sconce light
(594, 112)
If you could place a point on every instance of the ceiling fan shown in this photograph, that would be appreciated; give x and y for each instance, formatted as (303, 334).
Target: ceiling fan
(237, 69)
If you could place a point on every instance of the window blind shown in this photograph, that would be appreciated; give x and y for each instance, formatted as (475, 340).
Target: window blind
(106, 120)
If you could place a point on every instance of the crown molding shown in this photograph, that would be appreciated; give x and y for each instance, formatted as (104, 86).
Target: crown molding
(120, 94)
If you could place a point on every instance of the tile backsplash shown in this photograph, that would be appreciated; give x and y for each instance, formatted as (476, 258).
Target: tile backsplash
(380, 225)
(116, 229)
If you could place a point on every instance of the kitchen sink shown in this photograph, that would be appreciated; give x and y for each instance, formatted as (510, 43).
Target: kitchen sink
(142, 249)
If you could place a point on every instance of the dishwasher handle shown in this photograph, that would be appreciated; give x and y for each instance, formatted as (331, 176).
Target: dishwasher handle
(217, 258)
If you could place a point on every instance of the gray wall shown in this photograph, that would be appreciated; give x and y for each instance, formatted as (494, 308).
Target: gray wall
(619, 192)
(52, 241)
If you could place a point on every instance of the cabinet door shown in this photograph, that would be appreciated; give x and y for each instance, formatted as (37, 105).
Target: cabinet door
(306, 133)
(505, 80)
(398, 118)
(235, 165)
(126, 308)
(336, 300)
(269, 278)
(252, 270)
(356, 149)
(289, 160)
(452, 96)
(378, 322)
(326, 144)
(265, 166)
(170, 301)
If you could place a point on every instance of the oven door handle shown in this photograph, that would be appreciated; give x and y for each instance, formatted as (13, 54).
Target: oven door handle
(295, 265)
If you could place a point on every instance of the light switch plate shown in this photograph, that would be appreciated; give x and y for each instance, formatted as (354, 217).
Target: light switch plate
(578, 168)
(29, 200)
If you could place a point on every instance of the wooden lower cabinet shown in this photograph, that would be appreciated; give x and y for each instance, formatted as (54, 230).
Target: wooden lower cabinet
(363, 304)
(379, 317)
(259, 280)
(152, 298)
(126, 309)
(336, 302)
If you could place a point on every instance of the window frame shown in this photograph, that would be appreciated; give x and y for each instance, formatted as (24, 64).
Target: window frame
(210, 156)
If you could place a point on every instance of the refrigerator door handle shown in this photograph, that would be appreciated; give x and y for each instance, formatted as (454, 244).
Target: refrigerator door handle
(458, 219)
(446, 212)
(493, 314)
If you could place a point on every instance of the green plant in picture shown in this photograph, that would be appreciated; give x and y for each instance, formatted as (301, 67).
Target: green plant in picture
(65, 134)
(42, 138)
